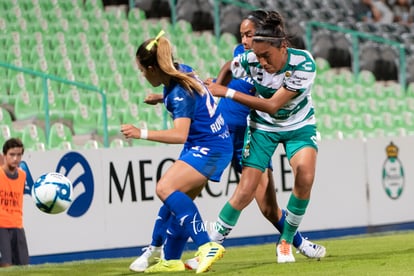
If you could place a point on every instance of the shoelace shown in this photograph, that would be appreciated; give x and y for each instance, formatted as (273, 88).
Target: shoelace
(284, 248)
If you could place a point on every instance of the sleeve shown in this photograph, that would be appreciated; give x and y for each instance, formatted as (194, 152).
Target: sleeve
(240, 66)
(302, 77)
(181, 104)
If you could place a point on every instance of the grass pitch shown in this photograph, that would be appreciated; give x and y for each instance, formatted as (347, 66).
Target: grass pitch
(380, 254)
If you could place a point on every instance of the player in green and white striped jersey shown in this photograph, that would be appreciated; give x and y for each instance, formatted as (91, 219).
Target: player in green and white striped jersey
(282, 112)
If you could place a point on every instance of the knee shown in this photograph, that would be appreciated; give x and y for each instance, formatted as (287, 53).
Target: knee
(305, 174)
(162, 191)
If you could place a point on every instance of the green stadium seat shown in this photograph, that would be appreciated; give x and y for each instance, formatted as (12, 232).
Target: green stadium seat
(322, 65)
(113, 120)
(410, 90)
(5, 117)
(136, 15)
(25, 106)
(58, 134)
(56, 107)
(84, 121)
(131, 115)
(366, 78)
(92, 144)
(34, 138)
(350, 124)
(118, 143)
(372, 125)
(6, 132)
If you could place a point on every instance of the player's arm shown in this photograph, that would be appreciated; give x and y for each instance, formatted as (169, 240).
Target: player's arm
(176, 135)
(271, 105)
(225, 75)
(153, 99)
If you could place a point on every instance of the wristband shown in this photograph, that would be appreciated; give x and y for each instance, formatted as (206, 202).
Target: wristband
(230, 93)
(144, 134)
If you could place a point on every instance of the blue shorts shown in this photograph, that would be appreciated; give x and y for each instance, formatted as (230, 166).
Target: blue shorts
(209, 162)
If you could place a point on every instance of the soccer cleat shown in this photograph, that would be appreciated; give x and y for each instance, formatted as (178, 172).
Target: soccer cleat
(192, 264)
(208, 254)
(166, 266)
(220, 232)
(148, 257)
(284, 252)
(312, 250)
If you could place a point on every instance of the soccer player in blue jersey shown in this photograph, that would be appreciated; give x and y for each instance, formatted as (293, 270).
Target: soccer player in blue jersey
(199, 125)
(281, 113)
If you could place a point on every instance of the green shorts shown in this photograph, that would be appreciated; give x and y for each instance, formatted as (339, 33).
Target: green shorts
(260, 145)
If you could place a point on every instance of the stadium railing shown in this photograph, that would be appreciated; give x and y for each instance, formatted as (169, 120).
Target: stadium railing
(45, 77)
(310, 25)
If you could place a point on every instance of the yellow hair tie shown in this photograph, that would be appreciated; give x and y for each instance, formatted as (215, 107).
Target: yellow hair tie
(154, 41)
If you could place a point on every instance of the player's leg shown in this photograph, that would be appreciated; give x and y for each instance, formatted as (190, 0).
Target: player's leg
(301, 151)
(154, 250)
(242, 196)
(267, 202)
(179, 179)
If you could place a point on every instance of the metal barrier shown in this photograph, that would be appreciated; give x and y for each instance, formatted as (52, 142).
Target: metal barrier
(45, 77)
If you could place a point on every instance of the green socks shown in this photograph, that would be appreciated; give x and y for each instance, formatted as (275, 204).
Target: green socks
(295, 210)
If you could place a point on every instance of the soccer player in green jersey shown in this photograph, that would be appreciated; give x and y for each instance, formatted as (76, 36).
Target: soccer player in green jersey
(282, 112)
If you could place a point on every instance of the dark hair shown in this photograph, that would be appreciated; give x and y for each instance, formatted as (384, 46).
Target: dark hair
(272, 30)
(12, 143)
(257, 17)
(160, 55)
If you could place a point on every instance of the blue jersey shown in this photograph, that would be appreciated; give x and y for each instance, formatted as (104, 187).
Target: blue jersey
(236, 113)
(207, 123)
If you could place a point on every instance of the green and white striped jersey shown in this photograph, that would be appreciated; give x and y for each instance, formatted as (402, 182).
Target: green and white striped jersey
(297, 75)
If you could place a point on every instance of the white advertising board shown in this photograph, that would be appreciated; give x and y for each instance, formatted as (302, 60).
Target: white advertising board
(115, 203)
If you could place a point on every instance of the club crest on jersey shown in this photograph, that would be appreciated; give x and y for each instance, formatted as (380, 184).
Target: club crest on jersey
(288, 74)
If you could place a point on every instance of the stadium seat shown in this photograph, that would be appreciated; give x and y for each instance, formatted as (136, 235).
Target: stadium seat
(34, 138)
(5, 117)
(136, 15)
(113, 120)
(56, 107)
(131, 115)
(366, 78)
(84, 121)
(349, 125)
(92, 144)
(25, 107)
(322, 65)
(59, 133)
(118, 143)
(6, 133)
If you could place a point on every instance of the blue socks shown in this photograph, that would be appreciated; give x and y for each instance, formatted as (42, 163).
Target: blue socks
(160, 226)
(186, 213)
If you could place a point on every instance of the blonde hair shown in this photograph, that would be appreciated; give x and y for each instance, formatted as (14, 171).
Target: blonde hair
(160, 54)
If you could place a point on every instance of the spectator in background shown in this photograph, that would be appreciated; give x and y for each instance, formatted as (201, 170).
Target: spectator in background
(13, 245)
(373, 11)
(403, 11)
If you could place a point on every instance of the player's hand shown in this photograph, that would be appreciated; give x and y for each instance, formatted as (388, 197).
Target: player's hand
(217, 89)
(130, 131)
(209, 81)
(153, 99)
